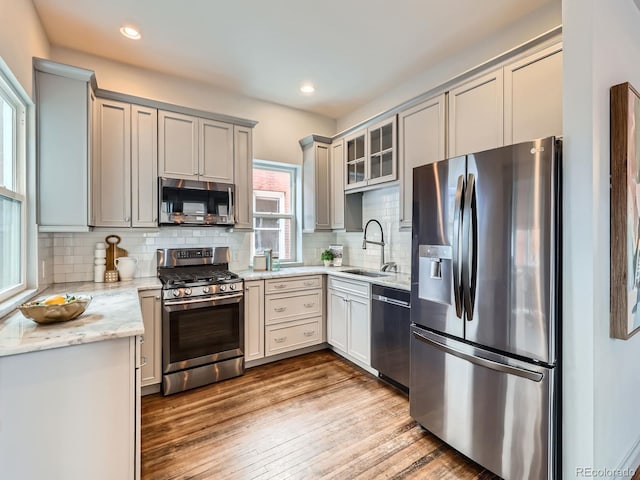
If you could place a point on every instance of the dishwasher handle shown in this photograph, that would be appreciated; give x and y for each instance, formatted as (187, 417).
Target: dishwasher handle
(392, 301)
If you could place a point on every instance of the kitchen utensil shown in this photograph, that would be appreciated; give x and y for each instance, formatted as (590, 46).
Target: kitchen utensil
(113, 251)
(45, 314)
(126, 267)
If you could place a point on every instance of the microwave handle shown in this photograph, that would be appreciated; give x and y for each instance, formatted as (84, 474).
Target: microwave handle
(231, 211)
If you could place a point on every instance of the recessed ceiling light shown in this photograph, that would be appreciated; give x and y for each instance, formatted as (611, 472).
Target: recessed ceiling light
(130, 32)
(307, 88)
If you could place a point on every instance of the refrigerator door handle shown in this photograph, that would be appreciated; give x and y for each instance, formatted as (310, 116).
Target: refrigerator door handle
(457, 266)
(483, 362)
(469, 247)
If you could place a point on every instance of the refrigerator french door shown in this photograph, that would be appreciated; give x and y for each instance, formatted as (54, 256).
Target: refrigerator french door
(485, 305)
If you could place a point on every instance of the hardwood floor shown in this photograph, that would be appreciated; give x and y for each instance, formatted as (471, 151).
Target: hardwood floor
(314, 416)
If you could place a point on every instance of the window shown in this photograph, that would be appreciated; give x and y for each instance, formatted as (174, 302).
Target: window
(12, 190)
(274, 209)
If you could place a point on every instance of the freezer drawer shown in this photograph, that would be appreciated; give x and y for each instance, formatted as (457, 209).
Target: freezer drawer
(496, 410)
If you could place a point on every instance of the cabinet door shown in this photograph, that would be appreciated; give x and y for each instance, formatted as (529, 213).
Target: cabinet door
(322, 188)
(337, 320)
(144, 166)
(151, 347)
(63, 155)
(254, 320)
(533, 96)
(177, 145)
(476, 115)
(337, 185)
(356, 160)
(243, 175)
(112, 164)
(422, 136)
(216, 151)
(381, 159)
(359, 329)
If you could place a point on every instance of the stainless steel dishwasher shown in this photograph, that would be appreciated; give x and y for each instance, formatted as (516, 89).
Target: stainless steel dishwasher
(390, 334)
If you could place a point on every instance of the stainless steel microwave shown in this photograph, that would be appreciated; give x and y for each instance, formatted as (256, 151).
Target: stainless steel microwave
(192, 202)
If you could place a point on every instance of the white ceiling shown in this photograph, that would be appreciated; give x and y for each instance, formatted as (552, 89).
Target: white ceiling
(351, 50)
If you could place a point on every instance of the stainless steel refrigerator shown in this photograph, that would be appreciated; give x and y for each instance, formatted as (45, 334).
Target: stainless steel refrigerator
(485, 306)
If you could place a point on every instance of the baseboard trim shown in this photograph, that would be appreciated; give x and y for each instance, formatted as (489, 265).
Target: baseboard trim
(629, 464)
(282, 356)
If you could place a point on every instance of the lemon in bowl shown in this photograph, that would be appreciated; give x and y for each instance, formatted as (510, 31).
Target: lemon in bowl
(56, 308)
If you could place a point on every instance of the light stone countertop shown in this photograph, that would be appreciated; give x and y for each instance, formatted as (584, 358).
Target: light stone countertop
(114, 312)
(395, 280)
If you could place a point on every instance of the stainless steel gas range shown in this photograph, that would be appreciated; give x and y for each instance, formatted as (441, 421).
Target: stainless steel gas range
(202, 318)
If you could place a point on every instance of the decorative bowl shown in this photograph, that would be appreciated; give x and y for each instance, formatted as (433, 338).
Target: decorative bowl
(41, 313)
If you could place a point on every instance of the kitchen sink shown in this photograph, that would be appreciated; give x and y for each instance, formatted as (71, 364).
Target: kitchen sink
(365, 273)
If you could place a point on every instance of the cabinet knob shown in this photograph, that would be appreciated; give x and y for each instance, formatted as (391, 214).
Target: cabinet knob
(127, 219)
(144, 362)
(157, 297)
(247, 289)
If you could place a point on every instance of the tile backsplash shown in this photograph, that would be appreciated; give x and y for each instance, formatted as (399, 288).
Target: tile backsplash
(69, 257)
(383, 205)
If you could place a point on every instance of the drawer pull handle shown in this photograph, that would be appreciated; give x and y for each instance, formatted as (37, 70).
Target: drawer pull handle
(280, 285)
(309, 334)
(144, 362)
(280, 340)
(280, 309)
(308, 284)
(309, 305)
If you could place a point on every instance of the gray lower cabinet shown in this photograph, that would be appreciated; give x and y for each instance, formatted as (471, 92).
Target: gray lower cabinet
(349, 319)
(253, 320)
(125, 187)
(64, 101)
(151, 346)
(293, 313)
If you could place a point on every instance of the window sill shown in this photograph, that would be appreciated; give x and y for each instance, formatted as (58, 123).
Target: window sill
(9, 305)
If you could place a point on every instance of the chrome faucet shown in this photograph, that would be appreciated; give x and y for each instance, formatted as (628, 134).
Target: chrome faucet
(381, 242)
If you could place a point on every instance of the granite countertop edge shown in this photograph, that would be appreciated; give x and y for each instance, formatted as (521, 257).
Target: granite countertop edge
(114, 312)
(401, 281)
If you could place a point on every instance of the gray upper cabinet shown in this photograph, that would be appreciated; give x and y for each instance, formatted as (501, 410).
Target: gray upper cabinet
(215, 157)
(64, 103)
(355, 160)
(112, 164)
(193, 148)
(476, 114)
(381, 165)
(533, 96)
(144, 166)
(421, 139)
(316, 192)
(177, 145)
(125, 165)
(337, 185)
(243, 175)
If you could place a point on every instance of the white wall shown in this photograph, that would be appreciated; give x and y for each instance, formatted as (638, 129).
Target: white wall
(601, 376)
(275, 137)
(542, 20)
(21, 37)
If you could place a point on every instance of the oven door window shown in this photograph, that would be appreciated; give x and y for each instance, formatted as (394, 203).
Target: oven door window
(204, 332)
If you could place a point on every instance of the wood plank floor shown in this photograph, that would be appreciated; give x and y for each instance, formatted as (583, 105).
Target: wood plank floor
(313, 416)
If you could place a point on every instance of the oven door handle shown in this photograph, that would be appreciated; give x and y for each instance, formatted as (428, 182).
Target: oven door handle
(203, 302)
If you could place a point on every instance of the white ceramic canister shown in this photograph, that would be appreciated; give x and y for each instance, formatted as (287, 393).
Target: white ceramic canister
(126, 267)
(98, 273)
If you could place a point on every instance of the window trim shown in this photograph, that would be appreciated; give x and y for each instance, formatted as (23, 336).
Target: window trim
(13, 93)
(294, 175)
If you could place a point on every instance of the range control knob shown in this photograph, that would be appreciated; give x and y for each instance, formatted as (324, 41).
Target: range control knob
(176, 292)
(232, 286)
(187, 291)
(206, 289)
(223, 288)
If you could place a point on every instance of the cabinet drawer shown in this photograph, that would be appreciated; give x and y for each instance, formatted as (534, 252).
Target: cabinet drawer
(293, 306)
(279, 285)
(293, 335)
(349, 286)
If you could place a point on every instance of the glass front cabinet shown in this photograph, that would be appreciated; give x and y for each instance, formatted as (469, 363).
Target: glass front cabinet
(371, 155)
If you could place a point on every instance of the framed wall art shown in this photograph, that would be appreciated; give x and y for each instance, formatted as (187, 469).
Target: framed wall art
(625, 211)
